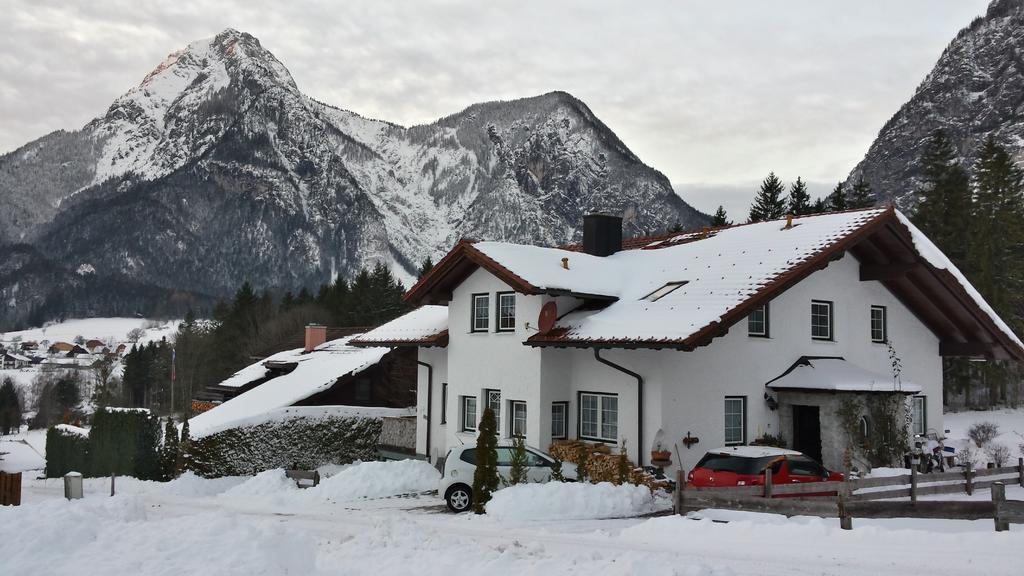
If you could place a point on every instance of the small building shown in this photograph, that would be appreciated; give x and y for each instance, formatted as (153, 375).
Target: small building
(13, 361)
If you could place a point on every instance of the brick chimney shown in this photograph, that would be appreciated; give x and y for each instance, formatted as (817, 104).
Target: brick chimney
(315, 336)
(602, 234)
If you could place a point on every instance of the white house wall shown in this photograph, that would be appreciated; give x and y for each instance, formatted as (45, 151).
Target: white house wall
(684, 391)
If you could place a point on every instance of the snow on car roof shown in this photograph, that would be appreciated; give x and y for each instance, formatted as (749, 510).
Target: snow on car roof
(315, 372)
(422, 325)
(809, 373)
(754, 451)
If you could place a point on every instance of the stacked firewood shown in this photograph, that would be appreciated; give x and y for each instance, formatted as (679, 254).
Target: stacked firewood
(602, 465)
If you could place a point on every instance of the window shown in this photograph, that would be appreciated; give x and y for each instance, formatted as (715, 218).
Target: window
(757, 322)
(735, 419)
(821, 320)
(494, 403)
(506, 311)
(559, 414)
(663, 291)
(865, 429)
(481, 313)
(878, 328)
(518, 424)
(806, 467)
(444, 403)
(469, 413)
(599, 417)
(918, 415)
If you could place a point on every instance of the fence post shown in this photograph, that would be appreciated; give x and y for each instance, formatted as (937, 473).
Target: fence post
(913, 483)
(998, 498)
(768, 486)
(845, 520)
(111, 484)
(1020, 471)
(969, 478)
(680, 486)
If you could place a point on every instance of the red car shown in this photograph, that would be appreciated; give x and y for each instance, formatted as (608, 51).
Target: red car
(745, 466)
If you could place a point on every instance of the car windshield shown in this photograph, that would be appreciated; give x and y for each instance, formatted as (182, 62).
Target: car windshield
(735, 464)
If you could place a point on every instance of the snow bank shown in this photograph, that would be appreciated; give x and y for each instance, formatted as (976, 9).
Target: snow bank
(377, 480)
(570, 501)
(266, 483)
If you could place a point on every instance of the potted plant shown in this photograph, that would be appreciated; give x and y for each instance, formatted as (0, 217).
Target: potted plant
(659, 454)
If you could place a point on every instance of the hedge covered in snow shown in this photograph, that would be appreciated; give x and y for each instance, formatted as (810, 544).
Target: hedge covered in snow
(305, 442)
(65, 452)
(125, 442)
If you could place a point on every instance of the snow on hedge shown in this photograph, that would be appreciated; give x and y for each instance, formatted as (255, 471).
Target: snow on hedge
(377, 480)
(570, 501)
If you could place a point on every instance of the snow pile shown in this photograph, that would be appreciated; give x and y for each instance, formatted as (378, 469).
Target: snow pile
(191, 485)
(377, 480)
(570, 501)
(19, 457)
(267, 483)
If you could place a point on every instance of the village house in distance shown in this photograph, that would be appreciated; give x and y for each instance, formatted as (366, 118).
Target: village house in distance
(689, 341)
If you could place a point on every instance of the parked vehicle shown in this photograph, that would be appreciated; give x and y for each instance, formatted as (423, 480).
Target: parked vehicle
(459, 465)
(746, 465)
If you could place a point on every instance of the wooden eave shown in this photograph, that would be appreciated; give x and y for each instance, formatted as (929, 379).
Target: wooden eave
(439, 340)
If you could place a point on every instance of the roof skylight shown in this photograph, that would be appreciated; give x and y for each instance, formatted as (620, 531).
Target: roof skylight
(664, 291)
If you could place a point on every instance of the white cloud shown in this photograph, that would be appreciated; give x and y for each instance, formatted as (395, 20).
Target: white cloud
(709, 92)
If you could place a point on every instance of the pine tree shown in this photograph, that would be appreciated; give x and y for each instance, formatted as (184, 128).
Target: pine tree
(820, 206)
(169, 451)
(860, 195)
(945, 199)
(485, 477)
(520, 463)
(720, 218)
(624, 469)
(769, 203)
(184, 449)
(425, 267)
(799, 199)
(10, 408)
(836, 201)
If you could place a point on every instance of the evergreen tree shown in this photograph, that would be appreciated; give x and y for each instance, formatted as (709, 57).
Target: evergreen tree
(720, 218)
(10, 408)
(184, 447)
(520, 462)
(425, 267)
(945, 199)
(799, 199)
(769, 203)
(169, 451)
(623, 468)
(820, 206)
(836, 201)
(485, 477)
(287, 301)
(860, 195)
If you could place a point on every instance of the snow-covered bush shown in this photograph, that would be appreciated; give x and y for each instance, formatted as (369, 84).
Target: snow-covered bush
(998, 454)
(981, 433)
(305, 442)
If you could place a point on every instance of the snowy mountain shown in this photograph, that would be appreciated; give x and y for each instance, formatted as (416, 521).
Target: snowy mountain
(216, 169)
(975, 89)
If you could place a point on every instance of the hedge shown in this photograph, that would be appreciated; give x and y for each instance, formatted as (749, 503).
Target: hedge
(65, 452)
(306, 442)
(122, 442)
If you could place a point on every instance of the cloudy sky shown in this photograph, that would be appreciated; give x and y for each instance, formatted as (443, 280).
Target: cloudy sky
(714, 94)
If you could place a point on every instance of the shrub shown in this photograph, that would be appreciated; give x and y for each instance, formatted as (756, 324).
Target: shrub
(485, 477)
(308, 442)
(999, 454)
(520, 464)
(65, 452)
(125, 442)
(981, 433)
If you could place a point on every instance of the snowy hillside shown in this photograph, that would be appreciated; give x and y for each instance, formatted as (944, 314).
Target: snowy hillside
(973, 90)
(216, 169)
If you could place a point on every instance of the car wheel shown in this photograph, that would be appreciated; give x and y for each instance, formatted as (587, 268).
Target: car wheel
(459, 498)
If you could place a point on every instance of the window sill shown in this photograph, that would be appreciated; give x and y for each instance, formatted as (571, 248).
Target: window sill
(601, 440)
(824, 340)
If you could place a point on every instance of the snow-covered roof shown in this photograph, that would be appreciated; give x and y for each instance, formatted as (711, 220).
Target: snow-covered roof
(257, 371)
(753, 451)
(315, 372)
(17, 357)
(426, 325)
(838, 375)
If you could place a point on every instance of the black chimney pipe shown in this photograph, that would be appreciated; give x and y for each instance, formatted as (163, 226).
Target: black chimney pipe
(602, 234)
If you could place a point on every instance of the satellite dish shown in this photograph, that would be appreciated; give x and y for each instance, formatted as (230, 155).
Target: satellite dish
(548, 315)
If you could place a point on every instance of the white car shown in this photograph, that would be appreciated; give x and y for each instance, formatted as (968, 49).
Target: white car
(460, 464)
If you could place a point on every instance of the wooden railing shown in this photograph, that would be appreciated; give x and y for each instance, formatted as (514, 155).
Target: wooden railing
(870, 497)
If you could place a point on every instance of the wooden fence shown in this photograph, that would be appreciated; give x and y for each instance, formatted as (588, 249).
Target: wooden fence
(10, 489)
(870, 497)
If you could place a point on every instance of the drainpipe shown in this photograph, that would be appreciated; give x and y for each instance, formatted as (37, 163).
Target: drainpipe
(430, 400)
(639, 402)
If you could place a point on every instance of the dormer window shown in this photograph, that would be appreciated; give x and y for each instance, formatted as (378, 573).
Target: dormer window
(664, 291)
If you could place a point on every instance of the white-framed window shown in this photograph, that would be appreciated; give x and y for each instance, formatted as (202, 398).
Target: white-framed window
(918, 415)
(468, 413)
(599, 417)
(757, 322)
(444, 403)
(821, 320)
(506, 311)
(735, 420)
(879, 330)
(518, 423)
(481, 313)
(559, 420)
(492, 400)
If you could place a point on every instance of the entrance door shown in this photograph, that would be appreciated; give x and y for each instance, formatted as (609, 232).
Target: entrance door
(807, 431)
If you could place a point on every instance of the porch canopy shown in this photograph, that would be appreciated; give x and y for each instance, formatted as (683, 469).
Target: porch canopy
(835, 374)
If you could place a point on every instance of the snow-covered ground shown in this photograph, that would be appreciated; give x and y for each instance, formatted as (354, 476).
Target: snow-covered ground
(26, 451)
(114, 330)
(1011, 431)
